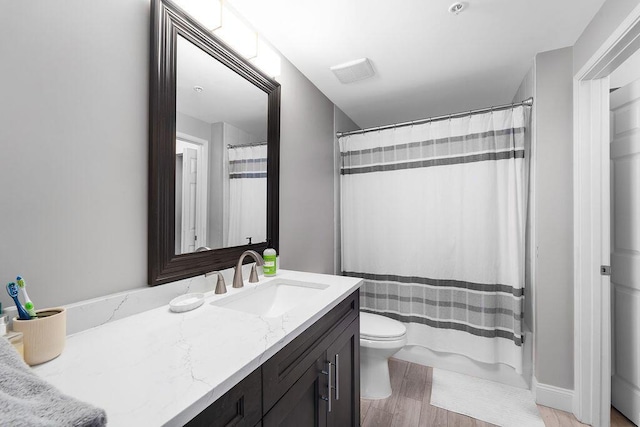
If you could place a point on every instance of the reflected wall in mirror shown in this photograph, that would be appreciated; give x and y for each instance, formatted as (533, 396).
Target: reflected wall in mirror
(214, 138)
(221, 155)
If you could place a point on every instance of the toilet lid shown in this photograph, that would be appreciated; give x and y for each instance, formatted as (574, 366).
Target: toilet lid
(376, 327)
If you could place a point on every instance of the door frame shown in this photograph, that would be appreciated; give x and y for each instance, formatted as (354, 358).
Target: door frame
(202, 197)
(592, 226)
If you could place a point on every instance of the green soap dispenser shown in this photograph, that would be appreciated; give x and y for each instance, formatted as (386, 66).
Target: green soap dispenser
(269, 268)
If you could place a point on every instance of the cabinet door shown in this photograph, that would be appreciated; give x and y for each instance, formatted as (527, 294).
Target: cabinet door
(344, 354)
(284, 368)
(239, 407)
(304, 404)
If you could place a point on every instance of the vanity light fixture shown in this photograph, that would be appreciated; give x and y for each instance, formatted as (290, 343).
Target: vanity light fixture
(223, 21)
(237, 33)
(267, 59)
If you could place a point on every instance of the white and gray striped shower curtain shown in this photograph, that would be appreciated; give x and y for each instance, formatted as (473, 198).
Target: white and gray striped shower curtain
(247, 205)
(433, 219)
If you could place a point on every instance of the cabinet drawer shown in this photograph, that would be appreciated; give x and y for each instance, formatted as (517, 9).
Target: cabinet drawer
(282, 370)
(241, 406)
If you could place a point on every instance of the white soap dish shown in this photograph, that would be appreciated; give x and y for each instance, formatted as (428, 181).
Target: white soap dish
(186, 302)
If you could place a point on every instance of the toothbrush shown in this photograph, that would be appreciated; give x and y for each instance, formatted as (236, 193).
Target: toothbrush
(12, 290)
(28, 305)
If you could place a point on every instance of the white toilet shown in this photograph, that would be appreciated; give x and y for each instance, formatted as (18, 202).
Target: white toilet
(380, 338)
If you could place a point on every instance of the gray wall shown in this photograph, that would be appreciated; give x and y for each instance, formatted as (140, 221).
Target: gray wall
(192, 126)
(608, 18)
(215, 228)
(73, 135)
(553, 215)
(214, 134)
(525, 91)
(342, 123)
(553, 80)
(306, 175)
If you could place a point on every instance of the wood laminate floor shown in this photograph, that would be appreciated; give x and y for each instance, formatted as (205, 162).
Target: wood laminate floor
(409, 405)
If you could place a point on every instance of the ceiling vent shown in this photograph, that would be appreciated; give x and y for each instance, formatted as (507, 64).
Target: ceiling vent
(353, 71)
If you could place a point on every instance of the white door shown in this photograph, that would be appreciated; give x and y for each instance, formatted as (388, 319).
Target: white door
(625, 248)
(189, 199)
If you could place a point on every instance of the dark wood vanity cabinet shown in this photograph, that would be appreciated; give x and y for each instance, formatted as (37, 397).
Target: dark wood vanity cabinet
(304, 403)
(240, 406)
(313, 381)
(345, 354)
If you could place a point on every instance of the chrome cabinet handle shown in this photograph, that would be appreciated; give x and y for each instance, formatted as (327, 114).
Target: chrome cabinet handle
(329, 386)
(337, 381)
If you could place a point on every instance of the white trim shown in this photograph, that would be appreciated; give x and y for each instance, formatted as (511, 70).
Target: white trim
(591, 177)
(533, 176)
(591, 205)
(186, 137)
(620, 45)
(552, 396)
(202, 201)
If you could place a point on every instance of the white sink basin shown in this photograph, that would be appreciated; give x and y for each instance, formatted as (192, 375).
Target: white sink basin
(272, 299)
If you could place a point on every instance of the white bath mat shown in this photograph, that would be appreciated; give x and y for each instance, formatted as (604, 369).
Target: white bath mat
(484, 400)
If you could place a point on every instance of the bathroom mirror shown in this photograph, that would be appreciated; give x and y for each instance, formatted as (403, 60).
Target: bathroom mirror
(221, 155)
(214, 151)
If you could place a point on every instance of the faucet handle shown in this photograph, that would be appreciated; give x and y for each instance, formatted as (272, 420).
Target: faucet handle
(221, 287)
(253, 277)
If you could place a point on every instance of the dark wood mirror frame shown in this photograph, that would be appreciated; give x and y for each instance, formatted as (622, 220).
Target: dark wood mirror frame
(167, 23)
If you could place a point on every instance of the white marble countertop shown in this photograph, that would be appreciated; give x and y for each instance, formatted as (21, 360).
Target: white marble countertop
(163, 368)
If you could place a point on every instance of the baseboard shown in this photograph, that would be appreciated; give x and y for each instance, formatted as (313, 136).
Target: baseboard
(552, 396)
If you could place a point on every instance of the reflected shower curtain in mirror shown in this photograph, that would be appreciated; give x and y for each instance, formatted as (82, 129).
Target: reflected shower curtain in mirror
(247, 195)
(433, 219)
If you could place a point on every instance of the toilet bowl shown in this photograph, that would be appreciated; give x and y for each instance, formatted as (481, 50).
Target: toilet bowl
(380, 338)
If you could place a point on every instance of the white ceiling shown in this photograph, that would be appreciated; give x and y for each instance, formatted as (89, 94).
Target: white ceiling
(428, 61)
(226, 97)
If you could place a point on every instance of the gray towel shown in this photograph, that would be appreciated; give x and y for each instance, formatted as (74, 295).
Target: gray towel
(28, 400)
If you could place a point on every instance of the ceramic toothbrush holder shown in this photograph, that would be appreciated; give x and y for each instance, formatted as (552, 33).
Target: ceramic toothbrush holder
(44, 336)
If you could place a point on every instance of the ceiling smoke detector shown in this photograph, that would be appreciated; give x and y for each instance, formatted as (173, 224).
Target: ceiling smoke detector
(456, 8)
(353, 71)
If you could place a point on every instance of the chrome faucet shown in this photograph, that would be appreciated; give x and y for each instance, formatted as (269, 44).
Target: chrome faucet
(253, 278)
(221, 287)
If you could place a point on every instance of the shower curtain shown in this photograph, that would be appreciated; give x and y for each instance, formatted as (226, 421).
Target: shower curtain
(247, 215)
(433, 219)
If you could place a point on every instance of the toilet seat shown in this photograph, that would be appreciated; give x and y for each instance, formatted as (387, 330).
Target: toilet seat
(374, 327)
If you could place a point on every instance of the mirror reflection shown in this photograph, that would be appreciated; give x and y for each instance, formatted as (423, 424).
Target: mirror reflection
(221, 155)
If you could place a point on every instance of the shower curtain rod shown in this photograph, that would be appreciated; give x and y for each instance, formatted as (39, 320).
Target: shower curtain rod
(527, 103)
(253, 144)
